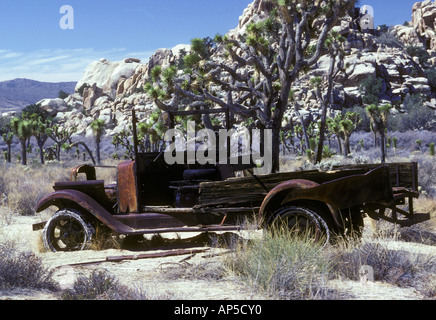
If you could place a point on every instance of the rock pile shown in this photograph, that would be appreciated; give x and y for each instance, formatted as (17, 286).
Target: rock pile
(109, 90)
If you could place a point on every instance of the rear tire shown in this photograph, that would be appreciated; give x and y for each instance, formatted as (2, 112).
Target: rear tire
(67, 230)
(301, 221)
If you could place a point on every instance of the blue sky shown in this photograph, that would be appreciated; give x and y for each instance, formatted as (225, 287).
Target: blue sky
(34, 46)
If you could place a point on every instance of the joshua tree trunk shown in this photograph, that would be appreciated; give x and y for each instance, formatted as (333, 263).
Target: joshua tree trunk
(41, 152)
(97, 145)
(339, 144)
(23, 152)
(346, 146)
(9, 152)
(382, 146)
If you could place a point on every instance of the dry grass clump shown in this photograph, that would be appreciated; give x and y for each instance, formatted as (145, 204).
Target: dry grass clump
(104, 239)
(23, 187)
(283, 266)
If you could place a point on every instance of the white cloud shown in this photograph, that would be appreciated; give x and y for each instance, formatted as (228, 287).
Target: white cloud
(55, 65)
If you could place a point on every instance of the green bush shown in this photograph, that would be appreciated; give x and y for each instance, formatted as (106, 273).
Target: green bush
(432, 150)
(431, 76)
(371, 88)
(418, 51)
(388, 39)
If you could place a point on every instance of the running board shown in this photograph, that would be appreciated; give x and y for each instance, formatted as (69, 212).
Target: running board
(211, 228)
(132, 231)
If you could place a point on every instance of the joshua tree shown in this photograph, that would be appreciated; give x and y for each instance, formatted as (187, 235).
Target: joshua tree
(334, 46)
(8, 138)
(346, 127)
(379, 120)
(40, 130)
(7, 135)
(98, 128)
(40, 122)
(256, 72)
(22, 129)
(334, 127)
(60, 136)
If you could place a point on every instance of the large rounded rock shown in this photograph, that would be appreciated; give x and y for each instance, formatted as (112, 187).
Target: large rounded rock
(105, 74)
(53, 106)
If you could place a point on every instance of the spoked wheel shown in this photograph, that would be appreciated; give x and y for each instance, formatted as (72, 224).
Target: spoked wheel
(302, 222)
(67, 230)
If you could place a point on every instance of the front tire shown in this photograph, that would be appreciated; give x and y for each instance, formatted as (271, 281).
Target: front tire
(67, 230)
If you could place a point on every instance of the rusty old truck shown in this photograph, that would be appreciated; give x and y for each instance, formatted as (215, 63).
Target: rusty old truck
(153, 197)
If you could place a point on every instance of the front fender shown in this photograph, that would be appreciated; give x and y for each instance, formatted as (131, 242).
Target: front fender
(276, 196)
(65, 198)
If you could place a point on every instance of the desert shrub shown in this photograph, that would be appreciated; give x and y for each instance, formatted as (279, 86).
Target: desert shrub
(82, 89)
(427, 286)
(418, 234)
(90, 287)
(388, 39)
(431, 76)
(23, 270)
(101, 285)
(416, 116)
(392, 266)
(427, 175)
(382, 260)
(283, 266)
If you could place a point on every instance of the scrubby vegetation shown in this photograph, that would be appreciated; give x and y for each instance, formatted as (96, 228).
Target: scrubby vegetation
(23, 270)
(278, 265)
(101, 285)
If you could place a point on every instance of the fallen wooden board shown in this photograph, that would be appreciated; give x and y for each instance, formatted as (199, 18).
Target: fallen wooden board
(139, 256)
(154, 255)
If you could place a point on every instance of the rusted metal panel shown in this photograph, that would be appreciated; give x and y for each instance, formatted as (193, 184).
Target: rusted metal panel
(64, 198)
(350, 191)
(340, 194)
(277, 194)
(404, 174)
(127, 187)
(88, 170)
(94, 188)
(149, 221)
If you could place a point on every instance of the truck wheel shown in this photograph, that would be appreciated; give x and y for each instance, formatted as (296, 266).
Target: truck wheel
(302, 221)
(67, 230)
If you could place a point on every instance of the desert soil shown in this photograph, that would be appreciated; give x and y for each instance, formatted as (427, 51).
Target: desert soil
(148, 274)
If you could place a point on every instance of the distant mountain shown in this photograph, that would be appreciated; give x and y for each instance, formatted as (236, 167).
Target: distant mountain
(19, 93)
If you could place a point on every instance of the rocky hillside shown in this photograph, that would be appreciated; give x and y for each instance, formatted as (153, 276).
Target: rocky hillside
(19, 93)
(109, 90)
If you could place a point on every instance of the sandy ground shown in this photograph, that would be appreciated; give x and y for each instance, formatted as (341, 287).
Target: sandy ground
(148, 274)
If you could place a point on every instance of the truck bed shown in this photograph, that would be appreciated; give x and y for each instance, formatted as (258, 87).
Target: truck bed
(252, 189)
